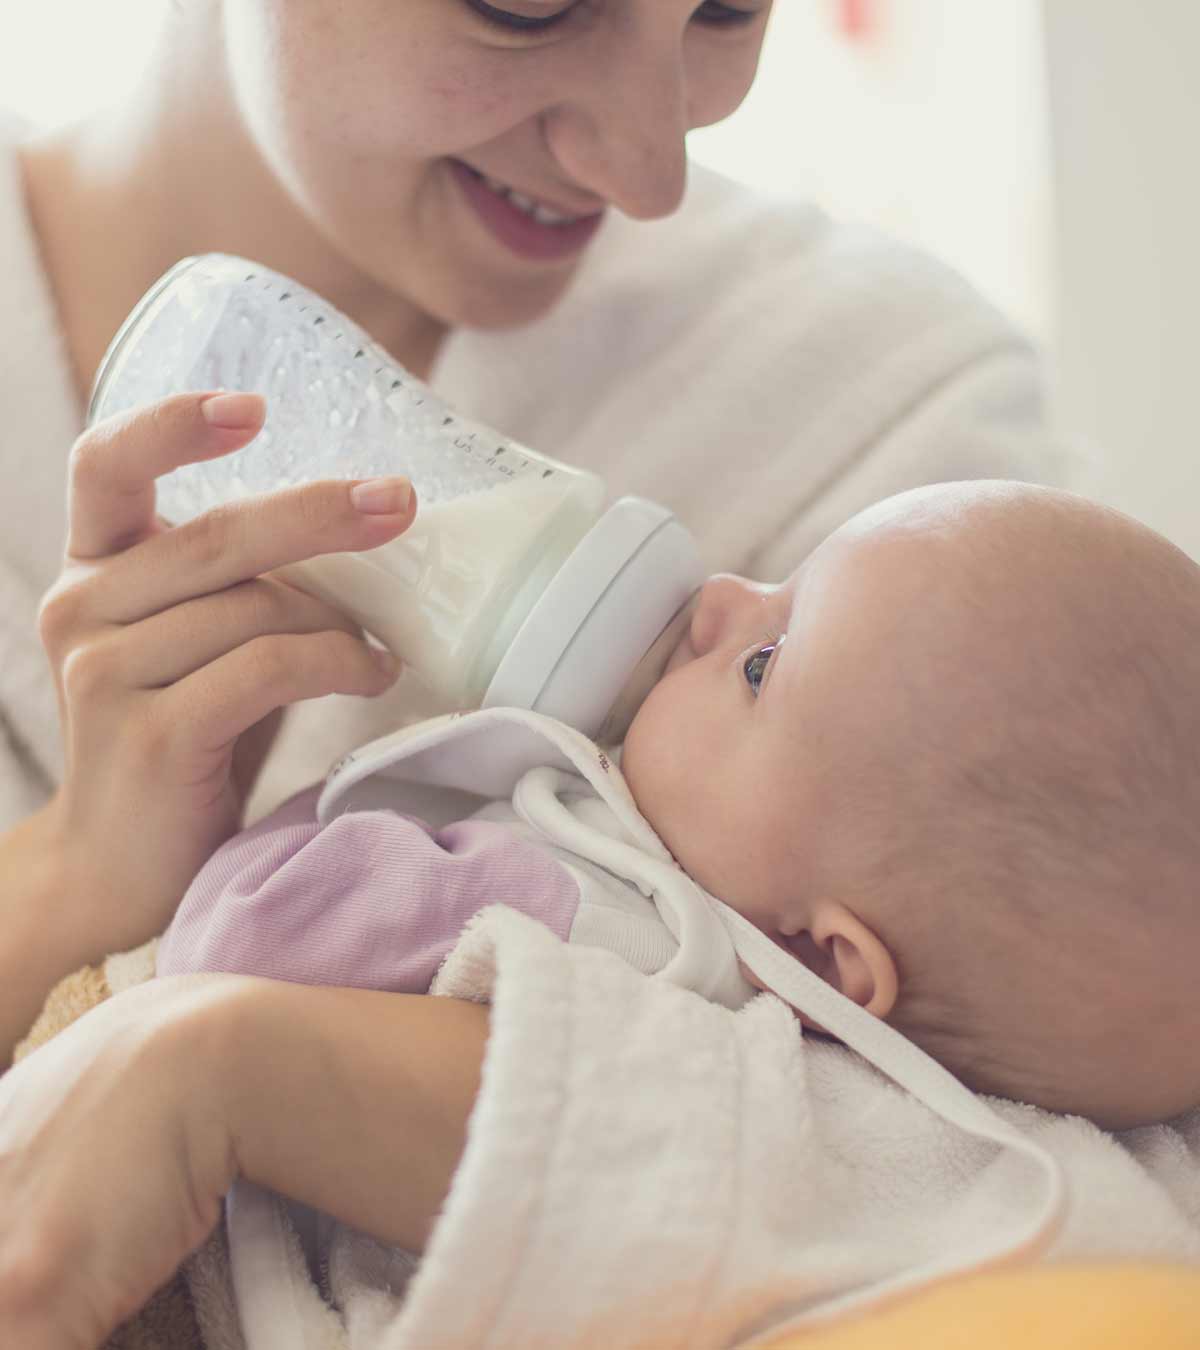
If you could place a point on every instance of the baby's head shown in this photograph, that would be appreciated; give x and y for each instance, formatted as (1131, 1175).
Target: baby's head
(965, 788)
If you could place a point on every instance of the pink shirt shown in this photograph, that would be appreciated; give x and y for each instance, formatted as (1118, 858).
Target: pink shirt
(374, 900)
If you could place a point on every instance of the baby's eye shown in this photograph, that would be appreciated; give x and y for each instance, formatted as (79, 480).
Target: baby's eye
(755, 666)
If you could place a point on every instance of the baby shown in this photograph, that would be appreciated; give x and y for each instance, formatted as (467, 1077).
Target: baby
(952, 765)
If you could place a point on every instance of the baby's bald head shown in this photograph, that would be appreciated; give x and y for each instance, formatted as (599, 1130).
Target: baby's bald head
(1018, 815)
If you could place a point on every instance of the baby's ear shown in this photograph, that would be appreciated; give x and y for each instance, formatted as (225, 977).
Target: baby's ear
(844, 952)
(848, 955)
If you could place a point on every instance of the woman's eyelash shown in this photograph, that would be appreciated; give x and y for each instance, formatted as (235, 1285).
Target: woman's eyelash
(522, 23)
(720, 15)
(711, 12)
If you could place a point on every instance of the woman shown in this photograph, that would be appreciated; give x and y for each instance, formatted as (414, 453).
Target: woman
(497, 193)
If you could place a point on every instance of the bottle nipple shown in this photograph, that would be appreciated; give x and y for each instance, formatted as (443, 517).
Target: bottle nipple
(645, 675)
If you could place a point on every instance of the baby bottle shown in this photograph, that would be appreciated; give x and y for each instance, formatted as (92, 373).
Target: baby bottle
(514, 585)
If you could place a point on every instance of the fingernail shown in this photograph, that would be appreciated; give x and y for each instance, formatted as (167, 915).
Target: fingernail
(382, 496)
(231, 411)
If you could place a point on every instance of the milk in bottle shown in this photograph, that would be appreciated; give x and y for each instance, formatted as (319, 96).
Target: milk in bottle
(513, 583)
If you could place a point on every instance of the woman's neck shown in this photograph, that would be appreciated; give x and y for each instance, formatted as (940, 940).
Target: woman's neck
(117, 199)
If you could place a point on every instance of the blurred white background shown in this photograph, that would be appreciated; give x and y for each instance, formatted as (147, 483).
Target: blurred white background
(926, 117)
(1045, 148)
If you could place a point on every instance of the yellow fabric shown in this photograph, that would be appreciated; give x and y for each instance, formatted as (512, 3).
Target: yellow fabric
(68, 1000)
(1102, 1307)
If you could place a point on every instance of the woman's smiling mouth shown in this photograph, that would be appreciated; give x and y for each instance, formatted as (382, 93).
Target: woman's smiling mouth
(527, 227)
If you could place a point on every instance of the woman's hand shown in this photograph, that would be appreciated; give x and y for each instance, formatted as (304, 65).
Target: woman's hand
(114, 1155)
(173, 655)
(119, 1137)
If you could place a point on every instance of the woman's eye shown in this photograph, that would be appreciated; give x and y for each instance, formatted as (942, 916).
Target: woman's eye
(756, 665)
(711, 12)
(522, 23)
(718, 15)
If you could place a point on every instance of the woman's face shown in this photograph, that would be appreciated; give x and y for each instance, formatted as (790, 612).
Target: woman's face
(378, 116)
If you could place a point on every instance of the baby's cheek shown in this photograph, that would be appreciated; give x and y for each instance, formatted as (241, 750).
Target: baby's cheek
(648, 763)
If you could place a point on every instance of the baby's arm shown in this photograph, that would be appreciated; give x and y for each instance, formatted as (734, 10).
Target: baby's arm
(373, 900)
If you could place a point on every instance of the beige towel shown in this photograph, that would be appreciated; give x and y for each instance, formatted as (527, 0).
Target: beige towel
(194, 1310)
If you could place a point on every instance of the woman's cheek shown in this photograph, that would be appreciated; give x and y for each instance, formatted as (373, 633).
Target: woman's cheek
(718, 80)
(399, 87)
(473, 100)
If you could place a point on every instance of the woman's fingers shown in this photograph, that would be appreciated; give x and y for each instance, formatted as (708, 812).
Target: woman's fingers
(172, 644)
(171, 665)
(113, 465)
(236, 542)
(208, 710)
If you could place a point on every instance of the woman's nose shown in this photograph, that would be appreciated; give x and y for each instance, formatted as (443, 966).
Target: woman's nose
(621, 133)
(726, 602)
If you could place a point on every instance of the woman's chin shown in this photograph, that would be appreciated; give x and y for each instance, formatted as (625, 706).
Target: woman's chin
(495, 304)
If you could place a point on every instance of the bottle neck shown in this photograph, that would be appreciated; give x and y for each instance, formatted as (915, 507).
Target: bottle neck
(545, 556)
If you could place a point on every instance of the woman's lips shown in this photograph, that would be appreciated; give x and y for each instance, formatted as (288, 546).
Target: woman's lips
(516, 229)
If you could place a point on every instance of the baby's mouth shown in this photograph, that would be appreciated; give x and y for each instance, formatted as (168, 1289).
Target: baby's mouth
(653, 666)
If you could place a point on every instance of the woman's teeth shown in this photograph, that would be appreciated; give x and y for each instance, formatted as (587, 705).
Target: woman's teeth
(544, 215)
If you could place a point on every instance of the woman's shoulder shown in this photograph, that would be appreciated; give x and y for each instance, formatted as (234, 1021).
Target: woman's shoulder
(37, 400)
(739, 294)
(26, 297)
(14, 128)
(734, 244)
(16, 236)
(739, 267)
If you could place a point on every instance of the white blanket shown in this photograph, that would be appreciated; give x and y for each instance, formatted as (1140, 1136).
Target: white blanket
(645, 1167)
(785, 1173)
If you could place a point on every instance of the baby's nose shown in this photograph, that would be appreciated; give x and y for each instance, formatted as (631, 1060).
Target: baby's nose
(723, 599)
